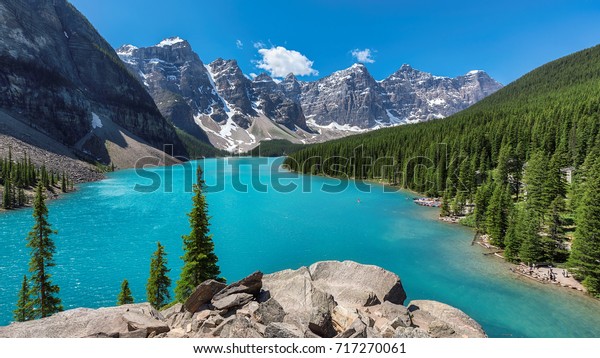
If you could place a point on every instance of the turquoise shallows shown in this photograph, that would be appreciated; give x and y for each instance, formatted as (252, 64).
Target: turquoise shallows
(107, 232)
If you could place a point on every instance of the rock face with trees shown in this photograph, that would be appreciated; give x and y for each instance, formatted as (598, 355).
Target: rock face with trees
(326, 299)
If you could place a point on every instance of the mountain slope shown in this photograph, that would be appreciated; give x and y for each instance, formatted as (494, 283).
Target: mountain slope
(64, 79)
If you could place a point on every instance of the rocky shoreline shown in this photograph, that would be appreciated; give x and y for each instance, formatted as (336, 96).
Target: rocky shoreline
(325, 300)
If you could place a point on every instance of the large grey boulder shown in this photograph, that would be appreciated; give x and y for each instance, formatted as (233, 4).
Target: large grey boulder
(269, 311)
(203, 294)
(231, 301)
(251, 285)
(283, 330)
(240, 327)
(134, 320)
(357, 285)
(443, 321)
(292, 289)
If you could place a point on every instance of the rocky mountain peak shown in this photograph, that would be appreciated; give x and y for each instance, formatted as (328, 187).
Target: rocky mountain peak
(263, 77)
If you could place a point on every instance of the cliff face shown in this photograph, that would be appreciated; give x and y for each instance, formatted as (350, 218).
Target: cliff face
(59, 75)
(328, 299)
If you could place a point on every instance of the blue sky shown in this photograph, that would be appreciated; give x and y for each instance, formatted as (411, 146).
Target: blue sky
(505, 38)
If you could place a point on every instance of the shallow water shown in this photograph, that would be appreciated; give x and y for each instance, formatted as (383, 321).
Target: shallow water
(107, 232)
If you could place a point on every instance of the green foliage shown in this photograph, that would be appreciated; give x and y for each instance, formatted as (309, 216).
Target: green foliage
(157, 288)
(497, 214)
(585, 254)
(528, 228)
(514, 237)
(535, 179)
(45, 294)
(18, 175)
(468, 221)
(199, 259)
(24, 311)
(124, 297)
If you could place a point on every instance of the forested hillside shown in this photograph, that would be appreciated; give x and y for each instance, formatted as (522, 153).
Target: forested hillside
(505, 156)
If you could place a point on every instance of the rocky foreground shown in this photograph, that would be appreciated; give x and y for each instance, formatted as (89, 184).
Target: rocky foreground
(328, 299)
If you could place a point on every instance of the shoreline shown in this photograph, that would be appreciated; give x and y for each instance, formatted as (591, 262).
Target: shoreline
(539, 274)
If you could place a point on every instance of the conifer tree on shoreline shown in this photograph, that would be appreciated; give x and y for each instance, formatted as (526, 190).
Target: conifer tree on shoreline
(157, 288)
(125, 296)
(45, 294)
(200, 261)
(24, 311)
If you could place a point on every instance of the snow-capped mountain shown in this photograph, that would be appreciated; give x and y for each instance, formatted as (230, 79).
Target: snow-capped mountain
(217, 103)
(414, 96)
(351, 96)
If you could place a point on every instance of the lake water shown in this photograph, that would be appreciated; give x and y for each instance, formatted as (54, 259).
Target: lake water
(107, 232)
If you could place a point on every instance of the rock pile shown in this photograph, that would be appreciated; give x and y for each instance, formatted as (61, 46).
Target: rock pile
(328, 299)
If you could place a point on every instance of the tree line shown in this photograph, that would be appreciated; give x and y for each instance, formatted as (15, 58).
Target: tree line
(18, 176)
(506, 158)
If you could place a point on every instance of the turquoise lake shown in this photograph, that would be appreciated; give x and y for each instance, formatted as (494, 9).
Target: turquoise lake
(107, 232)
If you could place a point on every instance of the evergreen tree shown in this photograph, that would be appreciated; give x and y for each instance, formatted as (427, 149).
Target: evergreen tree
(45, 294)
(6, 195)
(157, 288)
(445, 207)
(482, 198)
(24, 311)
(531, 247)
(199, 259)
(125, 296)
(555, 228)
(497, 214)
(535, 179)
(513, 238)
(63, 183)
(585, 252)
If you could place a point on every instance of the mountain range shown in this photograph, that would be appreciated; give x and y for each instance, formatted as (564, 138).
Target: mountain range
(217, 101)
(63, 85)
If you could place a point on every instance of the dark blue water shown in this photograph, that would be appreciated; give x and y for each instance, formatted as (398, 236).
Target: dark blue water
(107, 232)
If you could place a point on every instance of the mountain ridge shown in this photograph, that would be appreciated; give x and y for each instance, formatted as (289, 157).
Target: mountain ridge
(345, 102)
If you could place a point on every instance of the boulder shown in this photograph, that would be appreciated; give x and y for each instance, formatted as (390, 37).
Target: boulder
(358, 329)
(410, 332)
(320, 323)
(393, 313)
(231, 301)
(142, 319)
(283, 330)
(240, 327)
(269, 312)
(444, 321)
(356, 285)
(342, 318)
(169, 312)
(292, 289)
(250, 285)
(203, 294)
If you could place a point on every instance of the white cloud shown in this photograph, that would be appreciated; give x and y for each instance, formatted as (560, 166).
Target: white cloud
(239, 44)
(364, 56)
(252, 75)
(279, 62)
(259, 44)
